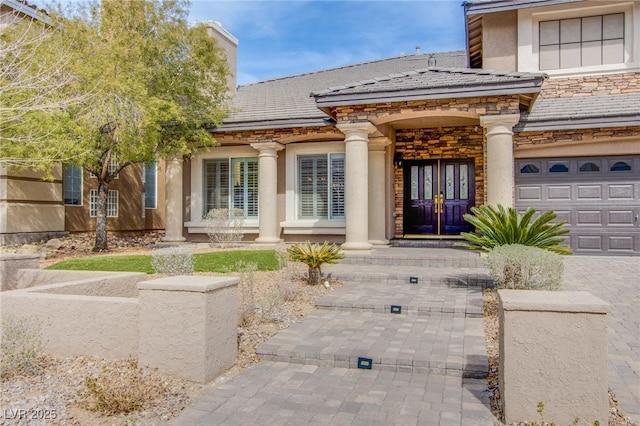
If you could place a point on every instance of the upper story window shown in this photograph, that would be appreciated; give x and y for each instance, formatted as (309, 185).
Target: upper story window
(582, 42)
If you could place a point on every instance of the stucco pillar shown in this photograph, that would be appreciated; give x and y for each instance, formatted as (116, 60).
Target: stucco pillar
(356, 184)
(500, 177)
(377, 188)
(173, 201)
(268, 191)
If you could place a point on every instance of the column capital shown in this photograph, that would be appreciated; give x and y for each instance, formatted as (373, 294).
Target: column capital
(379, 143)
(499, 123)
(267, 148)
(362, 127)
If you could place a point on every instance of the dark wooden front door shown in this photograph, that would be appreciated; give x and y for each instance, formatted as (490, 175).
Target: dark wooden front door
(437, 193)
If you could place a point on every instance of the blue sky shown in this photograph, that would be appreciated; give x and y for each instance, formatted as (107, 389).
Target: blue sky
(279, 38)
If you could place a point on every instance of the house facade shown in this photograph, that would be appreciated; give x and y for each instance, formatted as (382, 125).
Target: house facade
(541, 110)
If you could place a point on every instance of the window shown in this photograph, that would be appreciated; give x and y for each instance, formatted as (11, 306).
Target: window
(231, 184)
(589, 167)
(112, 203)
(72, 184)
(321, 186)
(559, 168)
(581, 42)
(149, 177)
(530, 168)
(620, 166)
(113, 166)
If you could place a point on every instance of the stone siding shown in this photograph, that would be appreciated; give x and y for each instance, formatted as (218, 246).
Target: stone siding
(577, 135)
(594, 85)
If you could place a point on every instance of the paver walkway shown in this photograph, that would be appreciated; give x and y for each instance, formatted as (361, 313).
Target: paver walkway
(426, 361)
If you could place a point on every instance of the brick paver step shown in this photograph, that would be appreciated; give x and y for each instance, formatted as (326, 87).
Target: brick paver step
(446, 258)
(439, 344)
(373, 274)
(418, 299)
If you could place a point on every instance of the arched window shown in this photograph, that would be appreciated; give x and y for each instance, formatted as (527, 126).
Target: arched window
(589, 167)
(530, 168)
(620, 166)
(558, 168)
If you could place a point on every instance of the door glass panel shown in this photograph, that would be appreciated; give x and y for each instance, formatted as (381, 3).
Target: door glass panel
(414, 182)
(449, 181)
(464, 181)
(428, 182)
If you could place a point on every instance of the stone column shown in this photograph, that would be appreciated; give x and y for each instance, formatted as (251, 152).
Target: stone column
(377, 188)
(356, 184)
(500, 177)
(268, 191)
(173, 220)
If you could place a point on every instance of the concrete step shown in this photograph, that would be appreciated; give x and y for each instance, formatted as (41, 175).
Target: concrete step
(418, 299)
(442, 344)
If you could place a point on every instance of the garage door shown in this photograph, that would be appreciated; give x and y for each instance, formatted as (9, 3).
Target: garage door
(599, 198)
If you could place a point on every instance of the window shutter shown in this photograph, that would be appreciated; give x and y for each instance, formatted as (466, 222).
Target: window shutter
(337, 186)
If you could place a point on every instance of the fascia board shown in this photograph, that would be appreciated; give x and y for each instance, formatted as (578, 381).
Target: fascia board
(24, 9)
(578, 123)
(422, 94)
(504, 5)
(273, 124)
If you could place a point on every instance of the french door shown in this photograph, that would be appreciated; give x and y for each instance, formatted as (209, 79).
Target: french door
(437, 193)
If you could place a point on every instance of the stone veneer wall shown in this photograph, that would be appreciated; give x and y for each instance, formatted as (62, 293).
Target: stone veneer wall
(475, 107)
(574, 135)
(610, 84)
(438, 143)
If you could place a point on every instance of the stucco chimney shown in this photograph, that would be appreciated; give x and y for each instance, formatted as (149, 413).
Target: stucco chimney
(230, 46)
(417, 49)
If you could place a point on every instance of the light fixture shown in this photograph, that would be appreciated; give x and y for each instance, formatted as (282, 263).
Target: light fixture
(397, 159)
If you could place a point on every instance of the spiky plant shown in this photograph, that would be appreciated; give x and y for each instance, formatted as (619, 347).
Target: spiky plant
(500, 226)
(314, 256)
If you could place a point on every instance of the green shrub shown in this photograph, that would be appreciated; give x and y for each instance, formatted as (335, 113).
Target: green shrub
(519, 267)
(20, 347)
(499, 226)
(172, 261)
(121, 388)
(314, 256)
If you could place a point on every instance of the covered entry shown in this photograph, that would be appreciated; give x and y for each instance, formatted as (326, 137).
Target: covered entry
(437, 193)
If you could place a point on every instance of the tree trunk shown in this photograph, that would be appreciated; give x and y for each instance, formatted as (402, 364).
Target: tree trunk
(101, 217)
(315, 275)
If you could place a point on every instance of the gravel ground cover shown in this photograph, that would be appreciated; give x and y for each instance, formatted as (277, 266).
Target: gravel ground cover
(56, 394)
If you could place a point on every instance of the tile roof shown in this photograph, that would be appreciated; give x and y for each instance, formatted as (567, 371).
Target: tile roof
(582, 112)
(286, 102)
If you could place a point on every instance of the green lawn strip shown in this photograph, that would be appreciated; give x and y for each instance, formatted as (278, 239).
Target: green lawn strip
(220, 261)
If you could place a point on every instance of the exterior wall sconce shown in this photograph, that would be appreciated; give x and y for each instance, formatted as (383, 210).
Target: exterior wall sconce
(397, 160)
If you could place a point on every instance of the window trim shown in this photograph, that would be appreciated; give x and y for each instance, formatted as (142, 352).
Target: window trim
(64, 186)
(528, 37)
(113, 196)
(146, 186)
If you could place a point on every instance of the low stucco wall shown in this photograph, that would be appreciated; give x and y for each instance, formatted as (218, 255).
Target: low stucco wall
(10, 266)
(553, 350)
(82, 283)
(75, 325)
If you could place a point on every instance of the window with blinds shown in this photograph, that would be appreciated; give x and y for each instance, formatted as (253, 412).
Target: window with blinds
(231, 184)
(321, 186)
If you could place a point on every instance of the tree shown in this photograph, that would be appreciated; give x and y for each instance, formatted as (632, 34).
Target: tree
(157, 85)
(36, 91)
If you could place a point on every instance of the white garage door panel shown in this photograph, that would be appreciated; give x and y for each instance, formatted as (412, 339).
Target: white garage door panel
(599, 201)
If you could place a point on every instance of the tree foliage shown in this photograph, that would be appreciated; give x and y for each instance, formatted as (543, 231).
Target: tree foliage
(499, 226)
(154, 85)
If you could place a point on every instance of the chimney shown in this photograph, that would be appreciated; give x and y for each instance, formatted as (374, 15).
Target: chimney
(229, 45)
(417, 49)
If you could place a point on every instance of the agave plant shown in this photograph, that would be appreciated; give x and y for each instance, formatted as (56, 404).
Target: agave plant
(500, 226)
(314, 255)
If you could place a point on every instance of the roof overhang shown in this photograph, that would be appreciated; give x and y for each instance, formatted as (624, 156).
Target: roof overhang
(349, 99)
(26, 10)
(476, 8)
(273, 124)
(579, 123)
